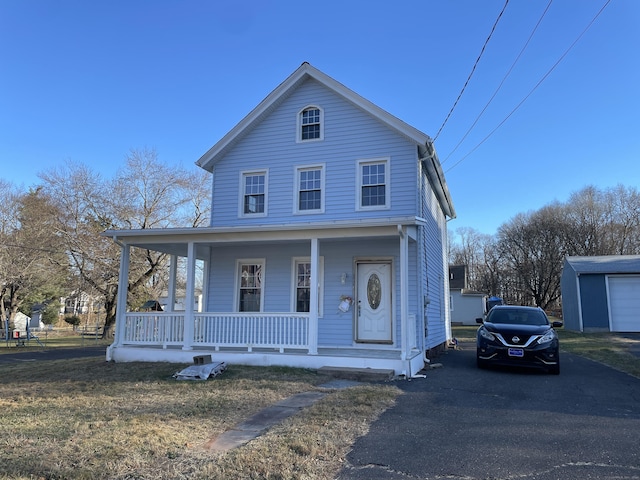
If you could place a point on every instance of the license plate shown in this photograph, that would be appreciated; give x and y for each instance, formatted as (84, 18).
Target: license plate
(516, 352)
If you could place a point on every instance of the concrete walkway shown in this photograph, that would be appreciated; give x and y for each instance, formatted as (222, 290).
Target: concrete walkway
(270, 416)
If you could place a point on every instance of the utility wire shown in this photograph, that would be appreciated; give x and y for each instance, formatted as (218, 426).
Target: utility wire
(544, 77)
(472, 71)
(501, 83)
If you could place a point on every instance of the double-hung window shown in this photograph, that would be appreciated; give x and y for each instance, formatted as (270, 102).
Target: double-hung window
(310, 197)
(250, 285)
(303, 285)
(373, 188)
(302, 290)
(254, 194)
(310, 124)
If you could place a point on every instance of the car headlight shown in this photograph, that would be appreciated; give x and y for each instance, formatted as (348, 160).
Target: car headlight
(547, 337)
(487, 335)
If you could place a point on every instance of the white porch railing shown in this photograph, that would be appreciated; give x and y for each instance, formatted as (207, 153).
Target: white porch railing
(153, 328)
(245, 330)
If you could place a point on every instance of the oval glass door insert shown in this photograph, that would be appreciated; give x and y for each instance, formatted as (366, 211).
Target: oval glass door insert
(374, 291)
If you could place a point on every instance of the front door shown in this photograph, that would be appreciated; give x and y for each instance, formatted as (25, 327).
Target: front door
(373, 308)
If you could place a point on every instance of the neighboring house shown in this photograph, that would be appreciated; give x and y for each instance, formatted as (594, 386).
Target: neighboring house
(78, 303)
(466, 304)
(22, 321)
(601, 293)
(178, 303)
(327, 244)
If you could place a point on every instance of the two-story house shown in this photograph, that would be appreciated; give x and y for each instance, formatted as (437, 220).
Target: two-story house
(327, 244)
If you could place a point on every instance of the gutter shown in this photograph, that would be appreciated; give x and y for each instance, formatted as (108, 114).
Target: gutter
(436, 179)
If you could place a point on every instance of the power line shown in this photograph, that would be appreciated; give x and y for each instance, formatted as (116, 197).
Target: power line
(544, 77)
(472, 71)
(502, 82)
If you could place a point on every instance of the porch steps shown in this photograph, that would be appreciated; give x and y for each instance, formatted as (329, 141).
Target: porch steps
(358, 374)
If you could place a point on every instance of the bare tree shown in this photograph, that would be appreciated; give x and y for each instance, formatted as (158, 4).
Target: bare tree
(534, 246)
(624, 228)
(479, 253)
(523, 262)
(145, 194)
(586, 218)
(30, 252)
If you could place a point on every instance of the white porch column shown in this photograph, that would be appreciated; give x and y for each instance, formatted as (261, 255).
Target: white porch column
(173, 273)
(404, 293)
(313, 300)
(189, 295)
(121, 301)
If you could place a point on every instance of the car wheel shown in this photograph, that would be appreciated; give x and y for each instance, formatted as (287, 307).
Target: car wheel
(555, 370)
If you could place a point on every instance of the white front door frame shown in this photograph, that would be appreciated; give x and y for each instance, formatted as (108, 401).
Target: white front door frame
(381, 267)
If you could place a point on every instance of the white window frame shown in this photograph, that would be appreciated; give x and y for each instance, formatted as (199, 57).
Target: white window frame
(236, 295)
(299, 125)
(386, 161)
(296, 198)
(294, 277)
(243, 176)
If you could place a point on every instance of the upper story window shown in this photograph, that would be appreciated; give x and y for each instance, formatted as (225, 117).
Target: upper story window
(310, 124)
(254, 194)
(373, 188)
(310, 189)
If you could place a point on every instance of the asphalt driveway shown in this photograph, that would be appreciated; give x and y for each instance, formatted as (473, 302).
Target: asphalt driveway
(465, 423)
(33, 355)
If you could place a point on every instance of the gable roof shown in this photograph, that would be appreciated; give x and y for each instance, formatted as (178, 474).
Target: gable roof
(424, 143)
(605, 264)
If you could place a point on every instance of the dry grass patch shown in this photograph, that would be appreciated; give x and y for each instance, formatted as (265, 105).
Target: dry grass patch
(610, 348)
(89, 419)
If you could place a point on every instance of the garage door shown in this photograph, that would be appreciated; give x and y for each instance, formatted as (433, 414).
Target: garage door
(624, 303)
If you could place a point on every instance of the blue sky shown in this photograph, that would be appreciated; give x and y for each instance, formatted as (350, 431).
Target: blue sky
(89, 81)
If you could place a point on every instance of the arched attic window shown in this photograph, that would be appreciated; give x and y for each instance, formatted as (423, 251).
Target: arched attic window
(310, 124)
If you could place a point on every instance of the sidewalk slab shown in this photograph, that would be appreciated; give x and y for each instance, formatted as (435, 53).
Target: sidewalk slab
(262, 421)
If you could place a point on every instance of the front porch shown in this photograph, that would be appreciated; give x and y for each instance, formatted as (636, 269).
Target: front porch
(275, 331)
(259, 339)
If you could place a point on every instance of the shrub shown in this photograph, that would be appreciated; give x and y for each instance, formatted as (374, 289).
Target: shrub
(73, 320)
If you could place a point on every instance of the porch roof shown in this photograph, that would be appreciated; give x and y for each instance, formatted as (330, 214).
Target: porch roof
(175, 240)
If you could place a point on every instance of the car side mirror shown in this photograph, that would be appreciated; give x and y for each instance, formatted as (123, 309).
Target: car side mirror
(557, 324)
(479, 320)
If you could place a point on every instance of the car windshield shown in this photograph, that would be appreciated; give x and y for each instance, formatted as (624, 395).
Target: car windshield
(517, 317)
